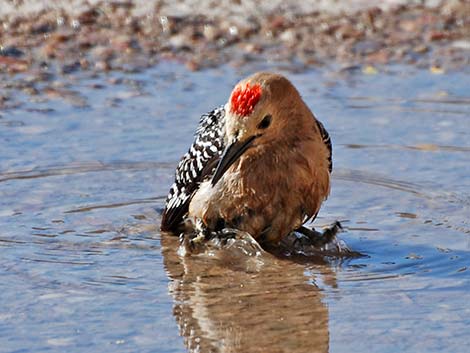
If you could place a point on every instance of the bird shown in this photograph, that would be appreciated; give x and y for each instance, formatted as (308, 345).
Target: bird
(261, 164)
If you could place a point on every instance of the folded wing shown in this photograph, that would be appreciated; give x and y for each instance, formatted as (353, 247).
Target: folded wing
(197, 165)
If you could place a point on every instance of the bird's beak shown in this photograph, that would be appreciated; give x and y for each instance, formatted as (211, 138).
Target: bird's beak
(231, 154)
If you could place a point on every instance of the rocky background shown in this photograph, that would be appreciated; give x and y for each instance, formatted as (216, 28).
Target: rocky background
(49, 38)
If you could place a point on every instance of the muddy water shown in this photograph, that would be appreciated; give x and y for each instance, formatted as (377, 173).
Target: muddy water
(84, 268)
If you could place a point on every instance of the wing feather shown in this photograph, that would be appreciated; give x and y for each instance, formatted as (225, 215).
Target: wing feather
(197, 165)
(327, 141)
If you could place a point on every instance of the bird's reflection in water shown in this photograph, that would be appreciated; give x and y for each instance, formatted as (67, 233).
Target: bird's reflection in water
(228, 301)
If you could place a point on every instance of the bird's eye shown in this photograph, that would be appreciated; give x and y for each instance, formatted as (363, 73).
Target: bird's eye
(264, 124)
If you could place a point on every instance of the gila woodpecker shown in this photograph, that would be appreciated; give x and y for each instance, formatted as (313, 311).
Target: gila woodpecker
(261, 164)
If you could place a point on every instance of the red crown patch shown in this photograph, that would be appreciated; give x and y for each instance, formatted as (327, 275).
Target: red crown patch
(244, 99)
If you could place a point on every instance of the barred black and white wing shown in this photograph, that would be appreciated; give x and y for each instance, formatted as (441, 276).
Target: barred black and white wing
(327, 141)
(197, 165)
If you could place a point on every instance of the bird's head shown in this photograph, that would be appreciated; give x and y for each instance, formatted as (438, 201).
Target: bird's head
(264, 108)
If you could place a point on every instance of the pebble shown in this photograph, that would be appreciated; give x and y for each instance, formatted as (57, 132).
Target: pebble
(11, 52)
(461, 44)
(13, 65)
(210, 32)
(288, 36)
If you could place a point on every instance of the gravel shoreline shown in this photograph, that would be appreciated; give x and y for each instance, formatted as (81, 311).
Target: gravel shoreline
(113, 35)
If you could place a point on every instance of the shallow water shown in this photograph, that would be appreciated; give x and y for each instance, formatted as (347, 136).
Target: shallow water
(84, 267)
